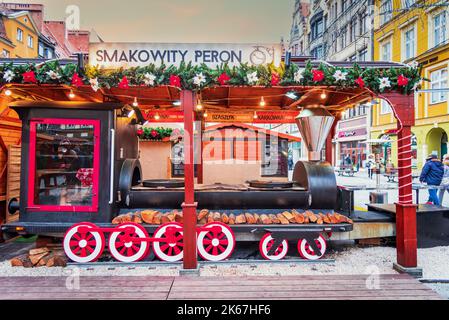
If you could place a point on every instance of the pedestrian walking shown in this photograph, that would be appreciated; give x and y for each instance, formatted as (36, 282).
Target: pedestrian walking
(371, 166)
(445, 181)
(432, 174)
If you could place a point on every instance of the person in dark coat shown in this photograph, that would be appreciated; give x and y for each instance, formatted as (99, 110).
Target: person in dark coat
(432, 174)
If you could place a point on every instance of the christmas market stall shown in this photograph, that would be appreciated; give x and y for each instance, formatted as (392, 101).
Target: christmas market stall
(87, 173)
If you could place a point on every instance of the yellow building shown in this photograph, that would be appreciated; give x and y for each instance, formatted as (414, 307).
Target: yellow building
(407, 31)
(19, 35)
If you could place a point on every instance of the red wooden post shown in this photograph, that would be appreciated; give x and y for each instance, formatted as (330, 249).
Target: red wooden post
(406, 238)
(200, 151)
(189, 206)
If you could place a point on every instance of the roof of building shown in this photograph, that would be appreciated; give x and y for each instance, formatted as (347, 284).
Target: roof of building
(253, 128)
(63, 48)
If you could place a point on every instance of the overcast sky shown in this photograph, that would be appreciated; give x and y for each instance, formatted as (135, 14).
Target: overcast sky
(180, 20)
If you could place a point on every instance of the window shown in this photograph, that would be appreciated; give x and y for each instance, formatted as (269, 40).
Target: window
(275, 158)
(318, 52)
(41, 50)
(386, 51)
(384, 107)
(64, 167)
(343, 37)
(409, 44)
(30, 42)
(19, 34)
(5, 53)
(386, 11)
(438, 81)
(352, 31)
(317, 28)
(363, 54)
(439, 27)
(408, 3)
(352, 58)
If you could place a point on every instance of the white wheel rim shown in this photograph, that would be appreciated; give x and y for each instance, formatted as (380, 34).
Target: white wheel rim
(265, 250)
(123, 258)
(72, 256)
(311, 256)
(157, 245)
(226, 253)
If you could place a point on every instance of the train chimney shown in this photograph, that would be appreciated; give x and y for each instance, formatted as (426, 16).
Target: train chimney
(315, 125)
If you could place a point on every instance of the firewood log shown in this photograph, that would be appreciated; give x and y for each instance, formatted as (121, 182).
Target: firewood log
(117, 220)
(274, 219)
(164, 218)
(157, 218)
(33, 252)
(127, 217)
(217, 217)
(225, 218)
(326, 219)
(306, 219)
(312, 217)
(320, 221)
(299, 217)
(289, 216)
(240, 219)
(179, 217)
(137, 218)
(171, 215)
(250, 218)
(202, 221)
(203, 213)
(21, 261)
(257, 218)
(332, 218)
(148, 216)
(282, 219)
(265, 219)
(210, 217)
(232, 219)
(35, 258)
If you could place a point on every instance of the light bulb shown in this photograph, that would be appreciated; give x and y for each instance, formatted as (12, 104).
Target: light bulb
(255, 115)
(262, 102)
(177, 103)
(323, 95)
(157, 116)
(8, 92)
(199, 106)
(135, 103)
(71, 94)
(205, 115)
(131, 113)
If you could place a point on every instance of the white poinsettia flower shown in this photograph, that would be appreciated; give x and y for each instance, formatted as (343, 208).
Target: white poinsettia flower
(199, 79)
(53, 75)
(8, 75)
(414, 64)
(149, 79)
(94, 84)
(299, 75)
(384, 83)
(252, 77)
(340, 75)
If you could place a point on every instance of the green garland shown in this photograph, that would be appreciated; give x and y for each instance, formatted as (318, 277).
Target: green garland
(243, 75)
(154, 133)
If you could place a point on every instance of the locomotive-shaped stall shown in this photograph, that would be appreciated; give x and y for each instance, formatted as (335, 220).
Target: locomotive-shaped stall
(81, 168)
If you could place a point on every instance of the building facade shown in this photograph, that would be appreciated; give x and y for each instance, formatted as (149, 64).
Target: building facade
(338, 30)
(408, 31)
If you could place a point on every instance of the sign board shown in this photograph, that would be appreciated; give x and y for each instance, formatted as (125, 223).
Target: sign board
(110, 55)
(227, 117)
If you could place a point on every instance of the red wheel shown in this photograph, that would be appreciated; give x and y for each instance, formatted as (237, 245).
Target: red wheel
(124, 244)
(217, 243)
(306, 252)
(82, 245)
(172, 248)
(265, 245)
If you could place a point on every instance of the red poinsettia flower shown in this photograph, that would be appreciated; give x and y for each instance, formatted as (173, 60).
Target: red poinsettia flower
(223, 79)
(403, 81)
(139, 132)
(154, 133)
(360, 82)
(275, 79)
(30, 77)
(175, 81)
(318, 75)
(76, 80)
(124, 84)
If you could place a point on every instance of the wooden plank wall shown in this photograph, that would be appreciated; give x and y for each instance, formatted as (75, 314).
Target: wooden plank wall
(10, 139)
(13, 178)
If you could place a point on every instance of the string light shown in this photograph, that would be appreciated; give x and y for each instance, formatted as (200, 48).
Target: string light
(177, 103)
(255, 115)
(157, 116)
(323, 95)
(8, 92)
(135, 103)
(205, 114)
(71, 94)
(262, 102)
(199, 106)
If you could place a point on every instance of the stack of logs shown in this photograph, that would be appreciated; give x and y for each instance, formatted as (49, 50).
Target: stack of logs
(205, 216)
(41, 257)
